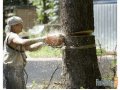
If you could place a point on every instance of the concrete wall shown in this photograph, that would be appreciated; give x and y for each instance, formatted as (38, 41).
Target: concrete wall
(28, 14)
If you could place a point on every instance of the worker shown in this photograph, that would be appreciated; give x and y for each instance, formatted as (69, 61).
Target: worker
(14, 53)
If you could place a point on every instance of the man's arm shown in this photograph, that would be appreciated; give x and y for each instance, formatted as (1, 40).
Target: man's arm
(26, 42)
(15, 39)
(34, 47)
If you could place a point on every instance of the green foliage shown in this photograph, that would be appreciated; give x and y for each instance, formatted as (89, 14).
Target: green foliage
(47, 10)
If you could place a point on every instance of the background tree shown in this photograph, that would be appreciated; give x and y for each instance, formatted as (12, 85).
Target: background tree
(47, 10)
(80, 66)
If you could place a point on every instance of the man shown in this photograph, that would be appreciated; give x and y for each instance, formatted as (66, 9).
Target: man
(14, 53)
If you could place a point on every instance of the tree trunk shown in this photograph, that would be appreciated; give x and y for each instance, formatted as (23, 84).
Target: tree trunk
(80, 66)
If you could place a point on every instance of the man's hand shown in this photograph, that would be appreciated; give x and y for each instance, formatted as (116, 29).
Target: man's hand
(54, 40)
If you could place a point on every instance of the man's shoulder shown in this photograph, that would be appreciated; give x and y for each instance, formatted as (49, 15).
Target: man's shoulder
(13, 35)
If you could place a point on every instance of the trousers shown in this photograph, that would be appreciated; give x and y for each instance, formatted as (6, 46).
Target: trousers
(14, 77)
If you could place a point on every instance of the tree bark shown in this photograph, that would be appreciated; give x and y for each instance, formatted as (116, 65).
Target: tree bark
(80, 66)
(77, 16)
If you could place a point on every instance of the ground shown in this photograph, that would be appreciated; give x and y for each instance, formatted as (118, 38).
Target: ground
(40, 71)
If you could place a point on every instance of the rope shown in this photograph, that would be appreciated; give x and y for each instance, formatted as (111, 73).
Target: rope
(26, 76)
(83, 32)
(24, 68)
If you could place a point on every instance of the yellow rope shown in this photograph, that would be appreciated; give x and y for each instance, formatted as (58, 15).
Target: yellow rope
(82, 32)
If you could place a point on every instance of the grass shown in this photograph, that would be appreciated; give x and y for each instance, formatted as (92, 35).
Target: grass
(49, 52)
(100, 52)
(46, 52)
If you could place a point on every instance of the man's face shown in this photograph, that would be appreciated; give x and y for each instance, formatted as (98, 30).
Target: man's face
(18, 28)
